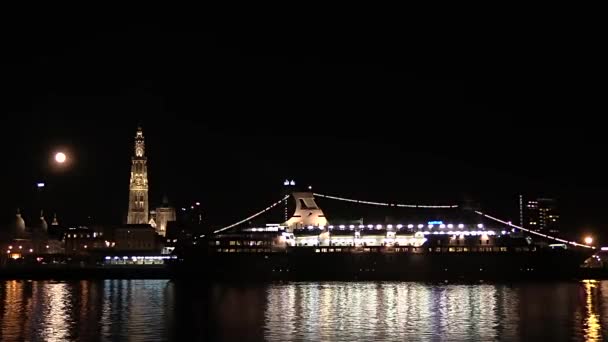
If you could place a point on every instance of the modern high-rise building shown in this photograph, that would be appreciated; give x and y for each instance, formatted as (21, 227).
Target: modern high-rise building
(138, 186)
(539, 214)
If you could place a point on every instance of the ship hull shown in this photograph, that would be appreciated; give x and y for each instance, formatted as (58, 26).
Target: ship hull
(305, 264)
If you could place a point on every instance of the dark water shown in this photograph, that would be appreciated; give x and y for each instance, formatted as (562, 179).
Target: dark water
(151, 310)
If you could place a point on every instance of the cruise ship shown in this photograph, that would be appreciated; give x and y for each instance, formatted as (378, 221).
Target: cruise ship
(308, 247)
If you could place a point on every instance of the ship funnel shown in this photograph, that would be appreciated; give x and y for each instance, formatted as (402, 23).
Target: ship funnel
(307, 212)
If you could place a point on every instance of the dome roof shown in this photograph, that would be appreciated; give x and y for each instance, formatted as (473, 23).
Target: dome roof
(55, 222)
(43, 225)
(19, 224)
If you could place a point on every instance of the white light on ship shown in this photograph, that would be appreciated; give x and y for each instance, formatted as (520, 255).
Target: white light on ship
(379, 226)
(480, 225)
(399, 226)
(390, 226)
(420, 226)
(331, 227)
(450, 226)
(361, 226)
(430, 226)
(461, 225)
(342, 226)
(352, 226)
(370, 226)
(442, 226)
(410, 226)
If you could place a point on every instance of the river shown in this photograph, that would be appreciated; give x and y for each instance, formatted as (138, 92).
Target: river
(162, 310)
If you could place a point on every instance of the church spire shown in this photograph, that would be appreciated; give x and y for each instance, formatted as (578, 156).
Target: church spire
(138, 186)
(139, 142)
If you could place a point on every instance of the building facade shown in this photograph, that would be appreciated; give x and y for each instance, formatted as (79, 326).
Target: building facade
(138, 186)
(85, 240)
(160, 218)
(163, 215)
(136, 237)
(18, 241)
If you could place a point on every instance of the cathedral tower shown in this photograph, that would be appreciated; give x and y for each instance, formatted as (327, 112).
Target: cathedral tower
(138, 187)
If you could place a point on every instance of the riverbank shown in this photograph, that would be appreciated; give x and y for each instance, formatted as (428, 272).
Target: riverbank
(74, 272)
(84, 272)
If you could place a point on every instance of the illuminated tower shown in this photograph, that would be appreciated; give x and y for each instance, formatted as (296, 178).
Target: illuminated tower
(138, 187)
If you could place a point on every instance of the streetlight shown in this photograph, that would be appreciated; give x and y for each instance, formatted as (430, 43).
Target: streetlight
(588, 240)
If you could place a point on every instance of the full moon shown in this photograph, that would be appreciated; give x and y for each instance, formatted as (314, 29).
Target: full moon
(60, 157)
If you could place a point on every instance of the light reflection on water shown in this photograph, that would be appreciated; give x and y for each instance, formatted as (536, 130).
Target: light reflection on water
(381, 311)
(591, 327)
(108, 310)
(417, 311)
(153, 310)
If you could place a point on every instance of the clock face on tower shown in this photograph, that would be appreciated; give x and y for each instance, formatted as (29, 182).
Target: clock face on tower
(139, 151)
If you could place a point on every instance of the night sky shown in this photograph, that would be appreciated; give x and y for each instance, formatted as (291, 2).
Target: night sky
(430, 115)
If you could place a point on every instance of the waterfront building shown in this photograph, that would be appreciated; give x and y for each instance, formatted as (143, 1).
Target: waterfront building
(18, 241)
(136, 237)
(539, 214)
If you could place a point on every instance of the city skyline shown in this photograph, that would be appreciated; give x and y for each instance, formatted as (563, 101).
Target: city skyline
(188, 196)
(238, 115)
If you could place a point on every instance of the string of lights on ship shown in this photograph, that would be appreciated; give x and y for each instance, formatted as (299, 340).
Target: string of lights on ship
(430, 225)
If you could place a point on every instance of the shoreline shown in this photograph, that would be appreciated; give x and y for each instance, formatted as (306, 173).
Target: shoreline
(169, 273)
